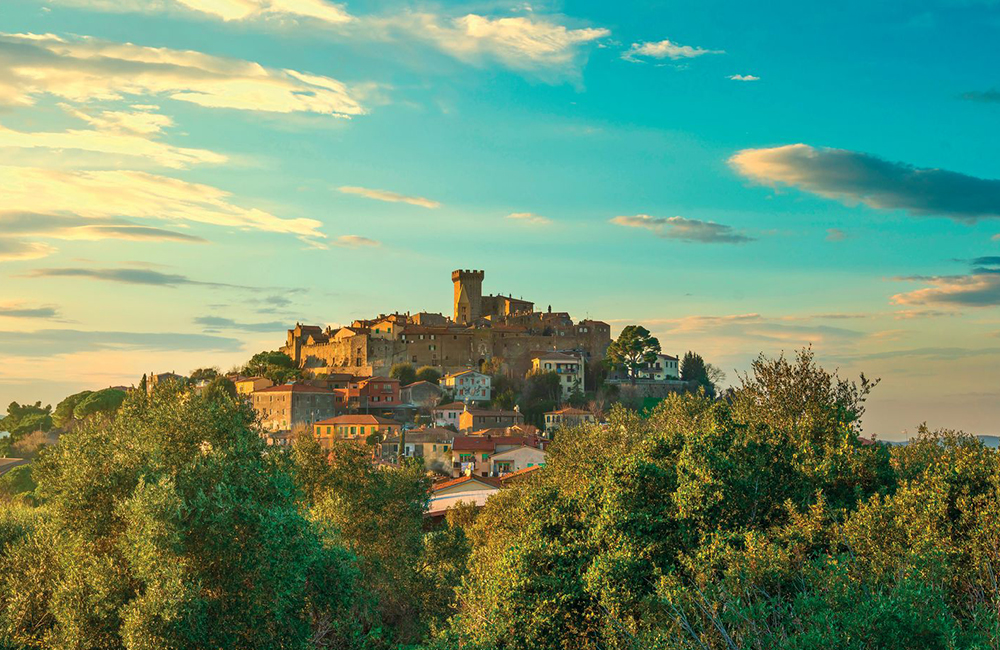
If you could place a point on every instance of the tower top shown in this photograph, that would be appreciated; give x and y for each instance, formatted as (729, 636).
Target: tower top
(459, 274)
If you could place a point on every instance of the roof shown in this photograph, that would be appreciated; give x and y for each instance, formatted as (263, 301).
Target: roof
(434, 434)
(519, 474)
(490, 443)
(666, 356)
(450, 406)
(368, 380)
(423, 383)
(489, 413)
(295, 388)
(492, 482)
(569, 411)
(555, 356)
(360, 418)
(463, 372)
(514, 429)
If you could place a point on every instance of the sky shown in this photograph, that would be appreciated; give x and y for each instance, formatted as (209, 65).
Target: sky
(183, 180)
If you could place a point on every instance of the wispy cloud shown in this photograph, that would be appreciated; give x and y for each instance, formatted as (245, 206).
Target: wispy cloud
(973, 290)
(529, 218)
(836, 235)
(356, 241)
(665, 49)
(22, 310)
(221, 323)
(985, 96)
(229, 10)
(126, 276)
(853, 177)
(50, 342)
(17, 250)
(392, 197)
(743, 77)
(115, 193)
(82, 69)
(689, 230)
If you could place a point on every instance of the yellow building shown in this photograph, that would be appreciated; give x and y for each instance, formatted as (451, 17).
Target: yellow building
(569, 367)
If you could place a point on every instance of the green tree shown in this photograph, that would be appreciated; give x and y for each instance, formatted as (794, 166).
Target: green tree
(404, 372)
(105, 402)
(62, 417)
(634, 349)
(167, 526)
(276, 366)
(700, 374)
(219, 388)
(22, 419)
(428, 373)
(203, 374)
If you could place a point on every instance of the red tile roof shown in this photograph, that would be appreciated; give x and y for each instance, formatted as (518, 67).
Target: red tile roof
(359, 419)
(569, 411)
(294, 388)
(519, 473)
(465, 479)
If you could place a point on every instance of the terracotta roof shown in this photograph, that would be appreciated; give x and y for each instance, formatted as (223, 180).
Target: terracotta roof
(359, 419)
(519, 473)
(569, 411)
(425, 435)
(460, 373)
(489, 413)
(490, 443)
(366, 380)
(294, 388)
(451, 406)
(465, 479)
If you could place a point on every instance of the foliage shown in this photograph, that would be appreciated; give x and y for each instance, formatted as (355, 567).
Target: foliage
(428, 373)
(62, 417)
(404, 372)
(542, 392)
(22, 419)
(634, 349)
(17, 481)
(104, 402)
(219, 388)
(203, 374)
(276, 366)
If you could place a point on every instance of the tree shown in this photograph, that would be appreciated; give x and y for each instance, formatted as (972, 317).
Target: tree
(404, 372)
(634, 349)
(542, 392)
(62, 417)
(219, 388)
(168, 526)
(276, 366)
(204, 374)
(104, 402)
(698, 373)
(428, 373)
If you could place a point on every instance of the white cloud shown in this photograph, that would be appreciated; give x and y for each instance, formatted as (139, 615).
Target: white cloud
(743, 77)
(115, 193)
(82, 69)
(228, 10)
(518, 42)
(529, 218)
(974, 290)
(117, 133)
(689, 230)
(665, 49)
(17, 250)
(391, 197)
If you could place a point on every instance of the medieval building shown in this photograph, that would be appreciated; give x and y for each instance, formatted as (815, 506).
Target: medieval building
(482, 328)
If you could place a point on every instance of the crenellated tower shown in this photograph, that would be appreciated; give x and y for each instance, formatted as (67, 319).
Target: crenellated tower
(468, 295)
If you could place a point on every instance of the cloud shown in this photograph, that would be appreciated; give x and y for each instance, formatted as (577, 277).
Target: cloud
(988, 96)
(15, 250)
(50, 342)
(989, 260)
(529, 218)
(20, 310)
(115, 193)
(836, 235)
(689, 230)
(218, 322)
(356, 241)
(973, 290)
(743, 77)
(82, 69)
(112, 138)
(665, 49)
(520, 42)
(392, 197)
(228, 10)
(853, 177)
(126, 276)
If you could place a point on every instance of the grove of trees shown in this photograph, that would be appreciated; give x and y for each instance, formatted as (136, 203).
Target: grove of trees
(764, 519)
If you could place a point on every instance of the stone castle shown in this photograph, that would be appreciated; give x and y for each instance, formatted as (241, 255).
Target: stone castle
(483, 328)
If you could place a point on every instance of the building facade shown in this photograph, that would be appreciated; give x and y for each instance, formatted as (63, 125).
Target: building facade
(567, 417)
(476, 419)
(469, 386)
(353, 427)
(570, 369)
(281, 408)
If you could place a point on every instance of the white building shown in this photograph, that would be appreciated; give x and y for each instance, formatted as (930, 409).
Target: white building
(468, 386)
(569, 368)
(665, 367)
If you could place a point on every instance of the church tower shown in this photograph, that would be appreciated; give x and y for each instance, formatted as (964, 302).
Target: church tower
(468, 295)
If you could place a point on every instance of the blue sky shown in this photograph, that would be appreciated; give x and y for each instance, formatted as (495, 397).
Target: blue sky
(180, 179)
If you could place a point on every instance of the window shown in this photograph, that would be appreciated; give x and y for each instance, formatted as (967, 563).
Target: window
(486, 456)
(352, 431)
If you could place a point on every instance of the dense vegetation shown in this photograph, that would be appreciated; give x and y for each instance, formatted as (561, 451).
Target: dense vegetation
(759, 520)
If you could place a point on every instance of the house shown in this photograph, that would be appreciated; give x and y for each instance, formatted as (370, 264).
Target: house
(474, 419)
(353, 427)
(665, 368)
(432, 445)
(473, 454)
(421, 394)
(364, 393)
(247, 385)
(445, 414)
(567, 417)
(281, 408)
(515, 460)
(465, 489)
(468, 386)
(155, 380)
(569, 367)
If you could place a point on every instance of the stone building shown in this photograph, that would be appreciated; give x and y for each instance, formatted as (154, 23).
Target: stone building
(484, 328)
(281, 408)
